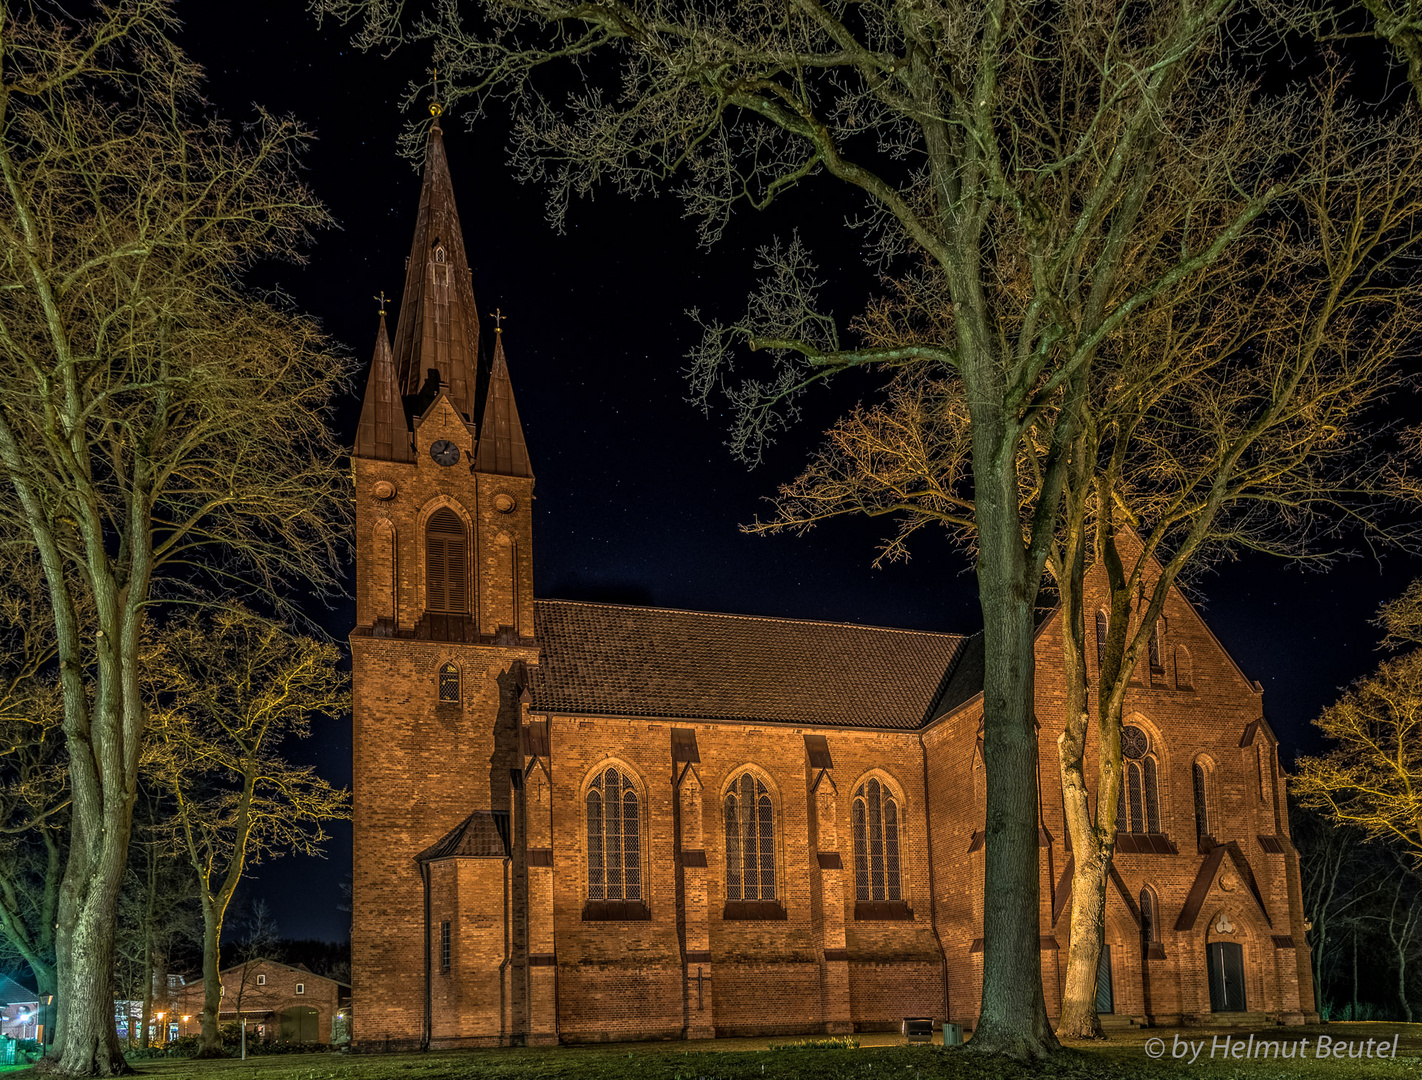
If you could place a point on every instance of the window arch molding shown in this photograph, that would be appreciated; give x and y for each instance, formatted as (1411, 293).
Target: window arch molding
(384, 570)
(422, 521)
(731, 785)
(891, 881)
(606, 906)
(1145, 787)
(1184, 667)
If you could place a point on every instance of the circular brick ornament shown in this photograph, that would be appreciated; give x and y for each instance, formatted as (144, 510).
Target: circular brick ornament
(503, 502)
(384, 489)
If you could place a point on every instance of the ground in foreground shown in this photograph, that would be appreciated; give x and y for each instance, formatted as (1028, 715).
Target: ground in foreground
(1126, 1054)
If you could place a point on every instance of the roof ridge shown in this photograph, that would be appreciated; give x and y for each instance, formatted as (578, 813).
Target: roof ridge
(759, 618)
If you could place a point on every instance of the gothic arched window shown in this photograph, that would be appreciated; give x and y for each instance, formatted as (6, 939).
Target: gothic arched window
(1138, 807)
(1103, 624)
(448, 684)
(750, 840)
(1204, 826)
(875, 818)
(1150, 920)
(614, 838)
(446, 563)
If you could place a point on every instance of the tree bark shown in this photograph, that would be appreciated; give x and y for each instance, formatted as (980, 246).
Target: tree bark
(1012, 1017)
(211, 979)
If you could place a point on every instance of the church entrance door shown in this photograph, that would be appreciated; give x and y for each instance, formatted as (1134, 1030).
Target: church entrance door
(1105, 999)
(1225, 960)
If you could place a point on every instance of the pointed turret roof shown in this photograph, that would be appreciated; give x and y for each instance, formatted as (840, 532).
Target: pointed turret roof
(383, 433)
(502, 450)
(439, 323)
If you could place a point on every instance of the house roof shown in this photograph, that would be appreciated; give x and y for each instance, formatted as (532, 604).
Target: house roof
(12, 993)
(236, 969)
(617, 660)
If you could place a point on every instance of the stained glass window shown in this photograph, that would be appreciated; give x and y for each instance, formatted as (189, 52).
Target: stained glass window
(750, 841)
(1138, 806)
(614, 838)
(875, 824)
(448, 684)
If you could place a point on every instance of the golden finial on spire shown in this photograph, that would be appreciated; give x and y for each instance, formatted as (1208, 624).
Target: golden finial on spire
(498, 320)
(381, 298)
(436, 109)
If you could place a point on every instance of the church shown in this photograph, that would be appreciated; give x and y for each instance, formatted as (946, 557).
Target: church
(590, 822)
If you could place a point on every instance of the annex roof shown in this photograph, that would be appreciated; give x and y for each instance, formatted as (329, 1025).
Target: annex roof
(484, 834)
(618, 660)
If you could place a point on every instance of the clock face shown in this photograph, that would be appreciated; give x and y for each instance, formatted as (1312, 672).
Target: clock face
(444, 452)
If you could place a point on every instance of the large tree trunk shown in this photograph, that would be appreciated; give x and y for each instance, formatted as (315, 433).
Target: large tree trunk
(211, 979)
(102, 735)
(1013, 1014)
(88, 910)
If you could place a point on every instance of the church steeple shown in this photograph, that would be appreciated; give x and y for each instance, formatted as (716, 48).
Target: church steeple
(502, 450)
(438, 329)
(383, 433)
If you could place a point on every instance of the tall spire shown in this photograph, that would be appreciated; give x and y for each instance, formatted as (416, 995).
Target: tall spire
(502, 450)
(439, 324)
(383, 433)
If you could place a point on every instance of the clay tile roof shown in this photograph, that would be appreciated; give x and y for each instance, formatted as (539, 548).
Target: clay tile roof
(613, 660)
(483, 834)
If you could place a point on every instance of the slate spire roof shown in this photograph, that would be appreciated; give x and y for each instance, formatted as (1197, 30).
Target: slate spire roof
(438, 331)
(383, 433)
(501, 447)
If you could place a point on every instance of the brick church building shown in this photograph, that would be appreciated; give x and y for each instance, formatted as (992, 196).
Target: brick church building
(585, 821)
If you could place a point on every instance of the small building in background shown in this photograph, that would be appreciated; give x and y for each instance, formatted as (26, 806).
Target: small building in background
(21, 1014)
(280, 1002)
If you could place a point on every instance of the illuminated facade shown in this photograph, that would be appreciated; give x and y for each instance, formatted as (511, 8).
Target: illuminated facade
(595, 822)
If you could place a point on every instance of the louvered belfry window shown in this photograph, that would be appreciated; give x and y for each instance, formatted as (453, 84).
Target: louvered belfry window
(446, 563)
(750, 841)
(875, 819)
(1138, 804)
(614, 838)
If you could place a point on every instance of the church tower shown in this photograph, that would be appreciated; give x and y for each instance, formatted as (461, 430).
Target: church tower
(444, 634)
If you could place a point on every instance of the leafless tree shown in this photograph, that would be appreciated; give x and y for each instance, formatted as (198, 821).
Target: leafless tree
(1372, 777)
(229, 690)
(1246, 415)
(157, 419)
(1010, 154)
(1241, 412)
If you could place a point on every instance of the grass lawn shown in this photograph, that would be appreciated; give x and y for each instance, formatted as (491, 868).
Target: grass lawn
(878, 1058)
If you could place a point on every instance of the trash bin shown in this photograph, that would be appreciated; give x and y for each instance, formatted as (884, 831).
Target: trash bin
(918, 1028)
(952, 1034)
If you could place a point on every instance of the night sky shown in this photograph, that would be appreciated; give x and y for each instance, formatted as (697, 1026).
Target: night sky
(638, 498)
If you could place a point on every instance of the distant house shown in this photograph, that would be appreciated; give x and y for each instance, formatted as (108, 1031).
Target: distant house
(21, 1016)
(278, 1001)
